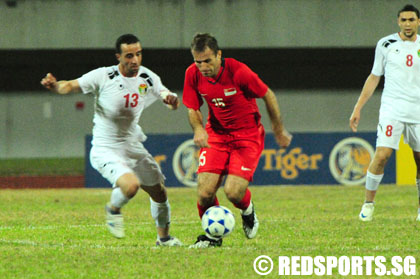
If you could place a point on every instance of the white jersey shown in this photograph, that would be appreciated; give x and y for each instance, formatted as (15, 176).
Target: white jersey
(119, 102)
(399, 61)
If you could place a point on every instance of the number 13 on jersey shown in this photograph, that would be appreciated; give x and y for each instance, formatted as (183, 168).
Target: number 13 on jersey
(134, 100)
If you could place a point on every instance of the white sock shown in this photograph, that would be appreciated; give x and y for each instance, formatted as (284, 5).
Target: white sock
(161, 212)
(118, 199)
(373, 181)
(248, 210)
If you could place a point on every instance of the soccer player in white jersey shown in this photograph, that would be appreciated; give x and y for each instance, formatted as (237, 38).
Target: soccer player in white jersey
(397, 56)
(121, 93)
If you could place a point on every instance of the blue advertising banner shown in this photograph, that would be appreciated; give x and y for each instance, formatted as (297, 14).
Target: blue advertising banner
(311, 159)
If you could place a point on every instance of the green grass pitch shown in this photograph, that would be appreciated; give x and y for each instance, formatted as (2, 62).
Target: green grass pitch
(61, 233)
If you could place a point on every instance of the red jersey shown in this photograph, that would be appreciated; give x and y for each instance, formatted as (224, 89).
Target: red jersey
(230, 96)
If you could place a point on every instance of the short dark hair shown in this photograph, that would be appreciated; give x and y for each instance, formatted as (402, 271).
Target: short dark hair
(409, 8)
(203, 40)
(125, 39)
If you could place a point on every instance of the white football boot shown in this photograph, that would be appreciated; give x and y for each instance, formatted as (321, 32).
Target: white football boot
(115, 223)
(366, 214)
(172, 241)
(418, 218)
(250, 224)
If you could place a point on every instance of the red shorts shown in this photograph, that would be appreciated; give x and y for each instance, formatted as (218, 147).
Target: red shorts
(234, 153)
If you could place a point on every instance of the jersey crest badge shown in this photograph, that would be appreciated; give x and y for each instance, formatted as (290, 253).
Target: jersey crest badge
(418, 53)
(143, 89)
(229, 91)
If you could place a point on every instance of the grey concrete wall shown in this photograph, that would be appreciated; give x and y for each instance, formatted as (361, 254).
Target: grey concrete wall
(35, 24)
(42, 124)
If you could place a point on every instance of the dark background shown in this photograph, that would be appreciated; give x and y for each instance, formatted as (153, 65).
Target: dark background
(280, 68)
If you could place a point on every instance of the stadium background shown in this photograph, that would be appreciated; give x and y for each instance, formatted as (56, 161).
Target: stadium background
(314, 54)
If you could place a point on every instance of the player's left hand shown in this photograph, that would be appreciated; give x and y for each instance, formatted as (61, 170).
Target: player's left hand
(283, 138)
(172, 101)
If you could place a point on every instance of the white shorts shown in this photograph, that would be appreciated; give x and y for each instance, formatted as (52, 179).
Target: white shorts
(111, 163)
(390, 131)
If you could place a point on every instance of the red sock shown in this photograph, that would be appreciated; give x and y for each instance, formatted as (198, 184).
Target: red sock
(246, 200)
(202, 209)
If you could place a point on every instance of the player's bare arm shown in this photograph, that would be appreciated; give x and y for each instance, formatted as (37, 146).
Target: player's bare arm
(282, 136)
(196, 121)
(368, 89)
(62, 86)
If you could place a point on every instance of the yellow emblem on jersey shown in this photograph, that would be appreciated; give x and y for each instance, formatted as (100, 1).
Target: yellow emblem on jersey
(418, 52)
(143, 89)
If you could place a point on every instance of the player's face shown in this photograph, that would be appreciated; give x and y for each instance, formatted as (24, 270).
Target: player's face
(130, 59)
(409, 24)
(208, 62)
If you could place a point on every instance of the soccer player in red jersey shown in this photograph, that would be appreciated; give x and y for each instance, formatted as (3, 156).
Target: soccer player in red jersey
(233, 139)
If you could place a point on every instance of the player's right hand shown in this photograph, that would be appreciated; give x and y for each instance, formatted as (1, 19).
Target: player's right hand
(354, 120)
(49, 81)
(201, 138)
(283, 139)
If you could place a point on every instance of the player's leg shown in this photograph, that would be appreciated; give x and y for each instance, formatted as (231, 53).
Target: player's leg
(389, 134)
(161, 213)
(110, 163)
(376, 171)
(243, 162)
(412, 137)
(236, 190)
(125, 189)
(374, 177)
(212, 165)
(151, 180)
(207, 186)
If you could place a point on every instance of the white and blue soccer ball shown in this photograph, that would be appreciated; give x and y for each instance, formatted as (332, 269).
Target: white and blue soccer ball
(218, 221)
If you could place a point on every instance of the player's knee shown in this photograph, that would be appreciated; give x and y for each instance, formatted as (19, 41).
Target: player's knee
(233, 194)
(156, 192)
(131, 190)
(206, 198)
(204, 193)
(161, 192)
(382, 158)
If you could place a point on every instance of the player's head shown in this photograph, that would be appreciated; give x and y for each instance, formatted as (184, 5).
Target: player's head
(206, 53)
(129, 54)
(409, 8)
(408, 21)
(201, 41)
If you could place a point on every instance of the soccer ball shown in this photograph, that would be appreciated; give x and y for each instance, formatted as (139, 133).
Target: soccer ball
(218, 221)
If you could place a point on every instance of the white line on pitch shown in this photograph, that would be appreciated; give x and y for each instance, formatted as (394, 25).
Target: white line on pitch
(131, 224)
